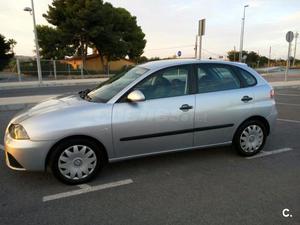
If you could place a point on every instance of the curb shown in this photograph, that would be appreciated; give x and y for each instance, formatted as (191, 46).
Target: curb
(44, 85)
(53, 84)
(285, 86)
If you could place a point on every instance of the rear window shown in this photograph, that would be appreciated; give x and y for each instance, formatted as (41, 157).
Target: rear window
(248, 78)
(214, 77)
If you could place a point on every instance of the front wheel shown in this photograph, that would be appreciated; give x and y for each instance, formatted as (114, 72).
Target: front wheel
(76, 161)
(250, 137)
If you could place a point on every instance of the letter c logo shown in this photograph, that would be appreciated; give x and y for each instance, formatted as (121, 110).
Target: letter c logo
(285, 213)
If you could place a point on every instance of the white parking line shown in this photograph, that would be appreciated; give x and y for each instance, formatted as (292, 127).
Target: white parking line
(289, 121)
(290, 104)
(264, 153)
(86, 190)
(2, 147)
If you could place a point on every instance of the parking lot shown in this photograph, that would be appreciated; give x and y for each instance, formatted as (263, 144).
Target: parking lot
(207, 186)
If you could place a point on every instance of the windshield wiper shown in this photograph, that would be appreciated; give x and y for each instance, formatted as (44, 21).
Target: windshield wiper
(84, 94)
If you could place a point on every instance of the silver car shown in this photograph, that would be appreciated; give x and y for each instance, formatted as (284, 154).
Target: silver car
(158, 107)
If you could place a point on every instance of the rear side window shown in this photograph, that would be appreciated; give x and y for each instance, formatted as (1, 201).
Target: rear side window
(248, 79)
(216, 78)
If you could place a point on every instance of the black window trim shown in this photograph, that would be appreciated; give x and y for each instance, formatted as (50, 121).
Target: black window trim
(191, 88)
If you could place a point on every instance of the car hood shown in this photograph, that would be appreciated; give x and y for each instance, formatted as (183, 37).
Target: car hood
(65, 116)
(59, 103)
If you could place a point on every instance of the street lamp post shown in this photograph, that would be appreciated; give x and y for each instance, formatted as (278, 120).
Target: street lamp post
(242, 34)
(38, 61)
(295, 48)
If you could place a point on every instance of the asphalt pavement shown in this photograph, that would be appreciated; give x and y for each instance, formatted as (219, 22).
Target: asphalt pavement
(273, 76)
(207, 186)
(56, 90)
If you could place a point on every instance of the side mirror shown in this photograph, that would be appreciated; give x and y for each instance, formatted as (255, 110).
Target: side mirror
(136, 96)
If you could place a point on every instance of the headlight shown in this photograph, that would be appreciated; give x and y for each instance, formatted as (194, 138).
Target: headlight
(17, 131)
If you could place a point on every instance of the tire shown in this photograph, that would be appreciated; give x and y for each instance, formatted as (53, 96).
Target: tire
(76, 161)
(250, 137)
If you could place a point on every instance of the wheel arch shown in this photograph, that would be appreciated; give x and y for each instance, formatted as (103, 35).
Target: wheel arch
(97, 142)
(257, 118)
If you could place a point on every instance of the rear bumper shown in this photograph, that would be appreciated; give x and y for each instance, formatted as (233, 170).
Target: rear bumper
(26, 154)
(272, 118)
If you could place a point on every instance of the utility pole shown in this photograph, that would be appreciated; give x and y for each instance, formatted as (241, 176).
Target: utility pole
(258, 59)
(269, 60)
(200, 47)
(18, 69)
(81, 70)
(242, 34)
(287, 63)
(201, 32)
(289, 38)
(295, 48)
(234, 51)
(38, 60)
(196, 46)
(54, 68)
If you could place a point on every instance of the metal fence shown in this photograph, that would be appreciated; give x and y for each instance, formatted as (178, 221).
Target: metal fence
(26, 70)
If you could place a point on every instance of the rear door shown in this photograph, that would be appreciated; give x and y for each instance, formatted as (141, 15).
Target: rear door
(163, 122)
(222, 103)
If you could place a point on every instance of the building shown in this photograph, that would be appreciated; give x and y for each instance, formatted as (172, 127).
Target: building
(93, 63)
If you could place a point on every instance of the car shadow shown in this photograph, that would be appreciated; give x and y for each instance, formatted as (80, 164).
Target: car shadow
(165, 162)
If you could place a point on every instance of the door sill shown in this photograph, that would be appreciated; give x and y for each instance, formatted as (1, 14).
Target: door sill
(168, 151)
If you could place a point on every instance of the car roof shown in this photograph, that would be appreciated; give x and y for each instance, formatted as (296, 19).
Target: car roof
(175, 62)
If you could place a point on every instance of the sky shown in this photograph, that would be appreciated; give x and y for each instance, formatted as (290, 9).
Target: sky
(171, 25)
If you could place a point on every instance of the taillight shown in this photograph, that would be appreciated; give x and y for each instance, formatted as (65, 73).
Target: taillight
(272, 93)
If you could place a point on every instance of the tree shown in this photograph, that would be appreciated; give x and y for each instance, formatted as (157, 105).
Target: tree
(154, 59)
(252, 58)
(72, 18)
(142, 59)
(5, 52)
(120, 36)
(113, 31)
(263, 61)
(234, 55)
(12, 44)
(54, 43)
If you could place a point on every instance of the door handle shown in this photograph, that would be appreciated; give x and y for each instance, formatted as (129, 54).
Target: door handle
(185, 107)
(246, 98)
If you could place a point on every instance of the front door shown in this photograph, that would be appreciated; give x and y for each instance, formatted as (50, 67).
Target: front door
(163, 122)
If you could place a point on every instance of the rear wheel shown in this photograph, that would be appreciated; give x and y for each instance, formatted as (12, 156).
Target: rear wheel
(76, 161)
(250, 137)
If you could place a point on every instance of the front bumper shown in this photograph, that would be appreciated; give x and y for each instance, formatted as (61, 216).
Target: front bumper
(26, 154)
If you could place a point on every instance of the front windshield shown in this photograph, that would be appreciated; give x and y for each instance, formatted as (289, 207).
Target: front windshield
(108, 89)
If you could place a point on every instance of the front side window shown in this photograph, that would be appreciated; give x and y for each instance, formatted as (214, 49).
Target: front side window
(108, 89)
(216, 78)
(166, 83)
